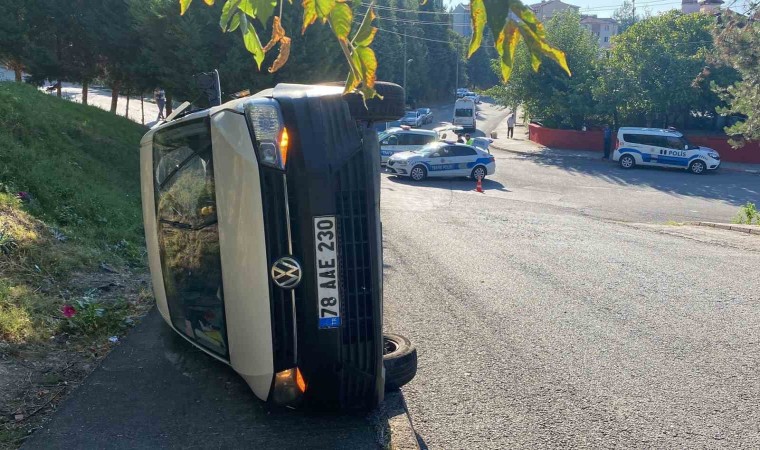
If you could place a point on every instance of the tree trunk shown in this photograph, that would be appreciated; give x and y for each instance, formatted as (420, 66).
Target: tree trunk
(168, 105)
(58, 88)
(85, 91)
(126, 112)
(17, 72)
(142, 107)
(115, 95)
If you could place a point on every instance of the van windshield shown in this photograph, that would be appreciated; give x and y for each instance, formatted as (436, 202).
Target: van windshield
(463, 112)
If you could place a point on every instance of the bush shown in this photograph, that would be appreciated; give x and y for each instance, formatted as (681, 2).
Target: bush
(748, 215)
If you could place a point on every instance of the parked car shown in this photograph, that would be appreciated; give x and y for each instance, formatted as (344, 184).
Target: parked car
(412, 119)
(664, 148)
(403, 139)
(426, 114)
(475, 97)
(442, 159)
(262, 225)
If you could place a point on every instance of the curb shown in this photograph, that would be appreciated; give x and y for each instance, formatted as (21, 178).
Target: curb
(748, 229)
(400, 430)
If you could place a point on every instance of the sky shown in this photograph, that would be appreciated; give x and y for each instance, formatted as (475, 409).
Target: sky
(605, 8)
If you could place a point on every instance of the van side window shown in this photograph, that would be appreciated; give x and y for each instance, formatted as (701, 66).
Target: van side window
(633, 138)
(421, 139)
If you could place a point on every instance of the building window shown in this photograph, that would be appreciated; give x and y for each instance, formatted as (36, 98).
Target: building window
(606, 28)
(606, 39)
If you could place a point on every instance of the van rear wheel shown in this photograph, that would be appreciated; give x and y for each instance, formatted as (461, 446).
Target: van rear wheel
(399, 359)
(390, 108)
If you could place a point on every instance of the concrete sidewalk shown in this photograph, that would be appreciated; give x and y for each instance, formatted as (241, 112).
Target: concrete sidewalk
(522, 145)
(157, 391)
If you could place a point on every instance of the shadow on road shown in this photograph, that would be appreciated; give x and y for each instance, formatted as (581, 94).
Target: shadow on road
(454, 184)
(155, 390)
(732, 187)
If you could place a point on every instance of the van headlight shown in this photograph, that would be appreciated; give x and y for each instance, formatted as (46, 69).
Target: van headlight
(271, 138)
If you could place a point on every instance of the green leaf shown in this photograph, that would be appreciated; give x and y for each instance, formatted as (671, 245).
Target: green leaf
(229, 11)
(235, 22)
(497, 12)
(264, 9)
(478, 16)
(341, 18)
(539, 46)
(366, 32)
(309, 13)
(183, 5)
(253, 44)
(325, 7)
(368, 65)
(505, 46)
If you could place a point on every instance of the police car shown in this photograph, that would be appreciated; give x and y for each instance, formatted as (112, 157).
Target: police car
(403, 139)
(664, 148)
(442, 159)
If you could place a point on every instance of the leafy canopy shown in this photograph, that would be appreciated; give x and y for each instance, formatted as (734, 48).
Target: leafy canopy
(508, 20)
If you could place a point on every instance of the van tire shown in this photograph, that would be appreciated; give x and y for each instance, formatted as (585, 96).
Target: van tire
(390, 108)
(399, 359)
(697, 167)
(627, 161)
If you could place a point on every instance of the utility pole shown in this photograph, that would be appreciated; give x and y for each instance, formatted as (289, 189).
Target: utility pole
(633, 3)
(405, 63)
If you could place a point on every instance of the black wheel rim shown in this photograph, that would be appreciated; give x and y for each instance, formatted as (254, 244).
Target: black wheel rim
(389, 346)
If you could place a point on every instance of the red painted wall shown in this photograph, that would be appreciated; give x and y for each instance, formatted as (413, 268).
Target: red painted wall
(750, 153)
(567, 139)
(594, 140)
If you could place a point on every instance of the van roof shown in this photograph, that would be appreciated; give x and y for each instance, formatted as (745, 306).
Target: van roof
(651, 131)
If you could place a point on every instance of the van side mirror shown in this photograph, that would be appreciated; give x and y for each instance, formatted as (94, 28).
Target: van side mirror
(686, 147)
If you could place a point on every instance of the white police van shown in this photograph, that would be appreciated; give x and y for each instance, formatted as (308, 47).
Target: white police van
(664, 148)
(443, 159)
(403, 139)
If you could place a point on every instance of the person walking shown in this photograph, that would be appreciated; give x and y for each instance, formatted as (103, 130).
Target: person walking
(511, 125)
(607, 141)
(160, 96)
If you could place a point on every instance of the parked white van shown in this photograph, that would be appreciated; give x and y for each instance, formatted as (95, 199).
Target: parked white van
(664, 148)
(464, 113)
(403, 139)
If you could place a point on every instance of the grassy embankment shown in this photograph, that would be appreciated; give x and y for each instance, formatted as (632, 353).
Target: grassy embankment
(70, 236)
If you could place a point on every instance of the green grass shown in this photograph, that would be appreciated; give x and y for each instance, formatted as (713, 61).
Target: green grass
(79, 168)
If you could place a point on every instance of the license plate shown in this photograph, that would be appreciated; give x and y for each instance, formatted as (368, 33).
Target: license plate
(328, 295)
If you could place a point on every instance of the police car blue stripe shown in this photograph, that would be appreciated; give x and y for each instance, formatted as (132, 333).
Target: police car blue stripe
(662, 159)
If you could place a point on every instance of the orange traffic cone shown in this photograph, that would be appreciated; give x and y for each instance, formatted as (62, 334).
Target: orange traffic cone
(479, 186)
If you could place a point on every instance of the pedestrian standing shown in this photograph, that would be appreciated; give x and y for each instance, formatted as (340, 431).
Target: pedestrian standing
(467, 139)
(460, 139)
(160, 97)
(607, 141)
(511, 125)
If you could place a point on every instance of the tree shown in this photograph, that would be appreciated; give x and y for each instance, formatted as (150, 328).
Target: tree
(552, 96)
(648, 76)
(625, 16)
(14, 36)
(509, 22)
(737, 41)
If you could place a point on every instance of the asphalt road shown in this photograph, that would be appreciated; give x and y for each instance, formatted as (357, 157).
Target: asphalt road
(545, 314)
(540, 322)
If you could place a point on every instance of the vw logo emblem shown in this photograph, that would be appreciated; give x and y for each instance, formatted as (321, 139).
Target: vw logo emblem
(286, 272)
